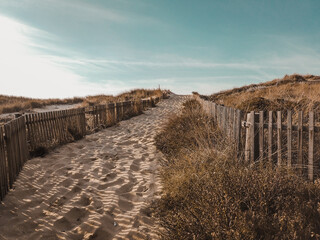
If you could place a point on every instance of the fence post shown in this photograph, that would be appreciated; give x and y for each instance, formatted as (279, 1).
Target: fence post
(10, 154)
(219, 115)
(231, 122)
(234, 124)
(311, 146)
(279, 132)
(270, 137)
(224, 119)
(300, 142)
(247, 144)
(289, 138)
(238, 129)
(252, 142)
(255, 138)
(4, 184)
(261, 135)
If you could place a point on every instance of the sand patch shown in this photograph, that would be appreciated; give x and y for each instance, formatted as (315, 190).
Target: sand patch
(96, 188)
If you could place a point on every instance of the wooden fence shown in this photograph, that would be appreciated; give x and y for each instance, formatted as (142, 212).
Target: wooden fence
(13, 152)
(32, 133)
(279, 138)
(50, 129)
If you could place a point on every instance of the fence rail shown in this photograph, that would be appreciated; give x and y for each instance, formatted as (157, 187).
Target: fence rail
(31, 133)
(273, 137)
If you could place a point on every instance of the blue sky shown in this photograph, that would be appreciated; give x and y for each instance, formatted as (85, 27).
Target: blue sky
(65, 48)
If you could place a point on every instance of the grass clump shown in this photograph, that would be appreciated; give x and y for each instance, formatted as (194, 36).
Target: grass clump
(182, 132)
(295, 92)
(210, 194)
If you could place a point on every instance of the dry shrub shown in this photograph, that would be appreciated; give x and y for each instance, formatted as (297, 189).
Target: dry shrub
(209, 194)
(9, 104)
(12, 108)
(35, 104)
(295, 92)
(181, 133)
(132, 95)
(263, 104)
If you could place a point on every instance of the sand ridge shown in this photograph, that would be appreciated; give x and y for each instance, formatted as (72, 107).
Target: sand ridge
(96, 188)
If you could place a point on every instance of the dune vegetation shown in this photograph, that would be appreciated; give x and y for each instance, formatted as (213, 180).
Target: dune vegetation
(125, 96)
(9, 104)
(211, 193)
(295, 92)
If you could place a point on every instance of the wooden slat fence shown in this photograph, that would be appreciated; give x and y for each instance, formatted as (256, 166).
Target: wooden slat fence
(27, 135)
(51, 129)
(13, 152)
(281, 138)
(101, 116)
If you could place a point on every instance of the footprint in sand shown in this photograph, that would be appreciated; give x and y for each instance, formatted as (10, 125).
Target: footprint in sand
(125, 188)
(124, 204)
(84, 200)
(142, 188)
(57, 202)
(114, 183)
(71, 219)
(109, 176)
(62, 224)
(67, 182)
(102, 234)
(109, 165)
(135, 166)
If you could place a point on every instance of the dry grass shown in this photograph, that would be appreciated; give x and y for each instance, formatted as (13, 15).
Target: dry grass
(209, 194)
(132, 95)
(9, 104)
(295, 92)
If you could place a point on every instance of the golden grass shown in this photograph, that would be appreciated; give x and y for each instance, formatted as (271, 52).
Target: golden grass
(126, 96)
(295, 92)
(9, 104)
(209, 194)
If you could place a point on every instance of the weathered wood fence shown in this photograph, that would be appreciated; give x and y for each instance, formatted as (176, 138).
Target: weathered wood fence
(33, 133)
(275, 137)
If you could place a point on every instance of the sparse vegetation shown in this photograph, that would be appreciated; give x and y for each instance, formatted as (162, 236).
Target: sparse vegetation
(126, 96)
(210, 194)
(11, 104)
(295, 92)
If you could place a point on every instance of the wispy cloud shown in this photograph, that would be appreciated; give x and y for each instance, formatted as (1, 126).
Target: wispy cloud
(25, 72)
(84, 11)
(183, 63)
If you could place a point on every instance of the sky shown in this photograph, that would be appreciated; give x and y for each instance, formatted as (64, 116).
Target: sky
(67, 48)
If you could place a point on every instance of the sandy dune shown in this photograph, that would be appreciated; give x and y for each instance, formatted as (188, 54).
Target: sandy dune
(97, 188)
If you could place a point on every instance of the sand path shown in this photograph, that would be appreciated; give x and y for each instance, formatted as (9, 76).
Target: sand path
(96, 188)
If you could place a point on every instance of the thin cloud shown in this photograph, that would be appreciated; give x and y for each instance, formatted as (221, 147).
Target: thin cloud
(26, 73)
(85, 11)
